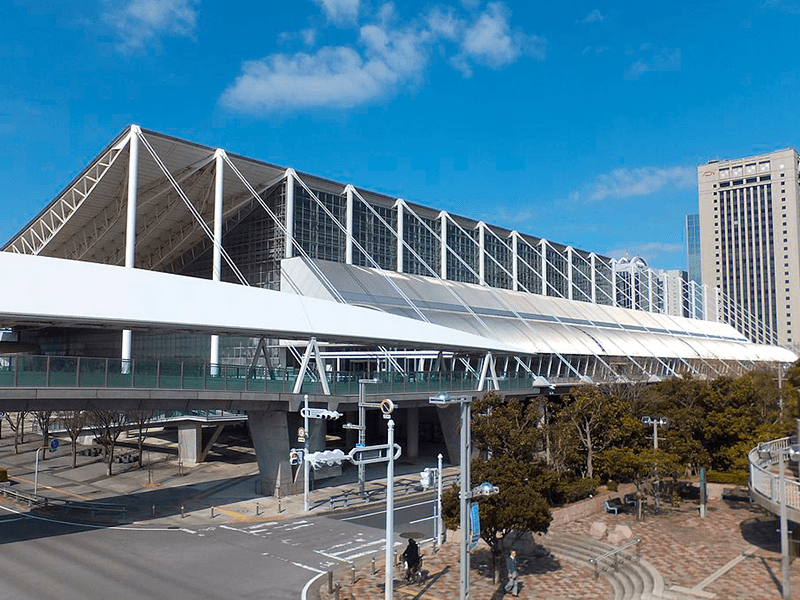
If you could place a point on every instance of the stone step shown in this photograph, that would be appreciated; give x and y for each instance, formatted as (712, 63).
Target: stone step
(632, 579)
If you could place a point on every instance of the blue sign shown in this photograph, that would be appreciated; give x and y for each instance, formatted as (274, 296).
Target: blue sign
(53, 445)
(474, 526)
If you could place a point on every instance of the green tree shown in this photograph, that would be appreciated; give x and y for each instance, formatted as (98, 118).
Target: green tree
(507, 435)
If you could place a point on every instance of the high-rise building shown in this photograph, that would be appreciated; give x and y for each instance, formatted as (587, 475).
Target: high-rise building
(693, 266)
(749, 239)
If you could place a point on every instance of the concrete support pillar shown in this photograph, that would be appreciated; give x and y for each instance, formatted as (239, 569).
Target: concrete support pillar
(412, 433)
(190, 442)
(450, 420)
(269, 430)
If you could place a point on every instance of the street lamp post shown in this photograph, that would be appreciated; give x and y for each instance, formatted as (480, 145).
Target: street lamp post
(426, 481)
(656, 422)
(444, 399)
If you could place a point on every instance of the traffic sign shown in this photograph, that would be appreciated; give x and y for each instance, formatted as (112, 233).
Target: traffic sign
(53, 445)
(301, 434)
(319, 413)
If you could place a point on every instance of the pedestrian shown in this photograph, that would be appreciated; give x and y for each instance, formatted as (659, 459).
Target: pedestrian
(512, 585)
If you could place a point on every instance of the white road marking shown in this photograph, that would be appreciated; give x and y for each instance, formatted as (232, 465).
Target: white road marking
(380, 512)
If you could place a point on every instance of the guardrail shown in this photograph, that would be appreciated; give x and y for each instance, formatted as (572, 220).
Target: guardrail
(764, 480)
(44, 502)
(611, 560)
(21, 371)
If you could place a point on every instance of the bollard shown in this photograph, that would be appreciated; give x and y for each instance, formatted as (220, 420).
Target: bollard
(153, 510)
(150, 476)
(374, 570)
(258, 509)
(330, 582)
(336, 591)
(353, 574)
(183, 515)
(435, 547)
(212, 512)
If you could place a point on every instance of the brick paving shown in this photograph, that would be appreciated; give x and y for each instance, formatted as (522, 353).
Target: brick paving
(684, 548)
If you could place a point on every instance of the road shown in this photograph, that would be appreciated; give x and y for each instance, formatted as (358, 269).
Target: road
(49, 558)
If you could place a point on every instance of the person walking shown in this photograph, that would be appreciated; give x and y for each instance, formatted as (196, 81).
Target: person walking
(512, 585)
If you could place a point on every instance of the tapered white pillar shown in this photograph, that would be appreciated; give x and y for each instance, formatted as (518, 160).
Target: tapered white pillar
(543, 274)
(570, 273)
(515, 261)
(443, 236)
(130, 228)
(593, 262)
(289, 246)
(614, 282)
(348, 246)
(481, 253)
(216, 265)
(401, 217)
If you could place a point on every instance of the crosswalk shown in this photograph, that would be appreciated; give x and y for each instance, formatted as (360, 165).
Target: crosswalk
(332, 541)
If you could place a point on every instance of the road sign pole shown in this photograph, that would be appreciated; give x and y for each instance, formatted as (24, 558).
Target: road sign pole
(305, 455)
(390, 514)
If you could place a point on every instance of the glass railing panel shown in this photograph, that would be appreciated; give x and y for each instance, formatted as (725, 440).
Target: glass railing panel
(32, 371)
(92, 372)
(6, 377)
(63, 371)
(145, 373)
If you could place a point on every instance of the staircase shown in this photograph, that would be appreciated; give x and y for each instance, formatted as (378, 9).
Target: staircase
(632, 579)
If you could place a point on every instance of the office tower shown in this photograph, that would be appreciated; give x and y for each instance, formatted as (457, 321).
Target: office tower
(749, 242)
(693, 248)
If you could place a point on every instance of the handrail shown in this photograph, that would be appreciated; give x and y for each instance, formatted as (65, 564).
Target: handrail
(764, 480)
(616, 553)
(39, 500)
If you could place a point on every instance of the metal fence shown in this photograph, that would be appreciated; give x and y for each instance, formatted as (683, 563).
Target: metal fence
(764, 476)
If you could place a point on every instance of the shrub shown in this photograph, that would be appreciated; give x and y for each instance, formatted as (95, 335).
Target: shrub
(571, 490)
(734, 477)
(3, 475)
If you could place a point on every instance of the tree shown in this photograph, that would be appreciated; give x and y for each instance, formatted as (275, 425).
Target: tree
(17, 424)
(139, 419)
(74, 421)
(44, 418)
(107, 426)
(506, 434)
(597, 421)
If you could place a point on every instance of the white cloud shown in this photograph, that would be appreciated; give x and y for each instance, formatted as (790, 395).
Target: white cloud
(140, 22)
(306, 36)
(594, 17)
(336, 77)
(340, 11)
(490, 41)
(385, 57)
(665, 59)
(594, 50)
(623, 183)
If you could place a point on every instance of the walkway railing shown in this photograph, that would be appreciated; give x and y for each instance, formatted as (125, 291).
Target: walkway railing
(764, 476)
(25, 371)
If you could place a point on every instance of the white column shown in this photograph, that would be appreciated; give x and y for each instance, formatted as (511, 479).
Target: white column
(650, 289)
(216, 268)
(289, 246)
(543, 250)
(693, 300)
(481, 253)
(570, 273)
(443, 236)
(614, 282)
(401, 214)
(515, 261)
(130, 227)
(593, 262)
(348, 249)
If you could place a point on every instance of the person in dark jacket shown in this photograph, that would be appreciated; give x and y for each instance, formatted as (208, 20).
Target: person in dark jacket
(512, 585)
(411, 556)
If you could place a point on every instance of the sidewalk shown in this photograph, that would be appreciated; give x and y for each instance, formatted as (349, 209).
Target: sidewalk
(732, 554)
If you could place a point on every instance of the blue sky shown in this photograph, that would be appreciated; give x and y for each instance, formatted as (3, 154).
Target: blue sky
(581, 122)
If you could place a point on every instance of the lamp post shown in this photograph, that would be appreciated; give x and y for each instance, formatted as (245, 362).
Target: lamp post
(793, 454)
(656, 422)
(444, 399)
(426, 480)
(387, 407)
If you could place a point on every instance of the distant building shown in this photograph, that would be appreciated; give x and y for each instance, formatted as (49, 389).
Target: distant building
(693, 266)
(750, 245)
